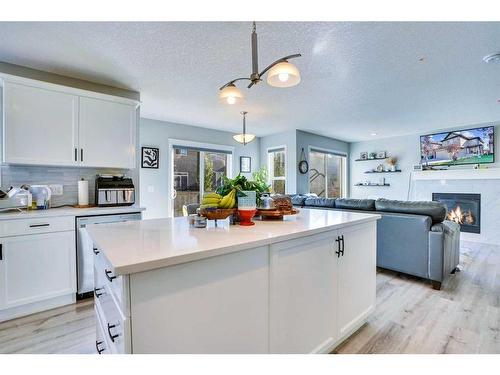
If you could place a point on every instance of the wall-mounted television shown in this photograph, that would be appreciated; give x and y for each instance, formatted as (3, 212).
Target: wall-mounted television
(457, 147)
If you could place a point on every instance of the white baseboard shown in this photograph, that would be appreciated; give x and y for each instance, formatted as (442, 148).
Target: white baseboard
(31, 308)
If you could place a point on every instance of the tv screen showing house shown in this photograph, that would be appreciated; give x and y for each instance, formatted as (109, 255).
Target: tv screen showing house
(470, 146)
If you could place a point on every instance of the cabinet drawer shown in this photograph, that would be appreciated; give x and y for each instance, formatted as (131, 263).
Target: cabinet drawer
(107, 283)
(116, 327)
(19, 227)
(101, 343)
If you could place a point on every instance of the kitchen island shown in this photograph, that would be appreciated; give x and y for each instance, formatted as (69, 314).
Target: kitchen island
(302, 285)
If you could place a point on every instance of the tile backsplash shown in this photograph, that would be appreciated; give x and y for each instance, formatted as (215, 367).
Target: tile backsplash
(67, 176)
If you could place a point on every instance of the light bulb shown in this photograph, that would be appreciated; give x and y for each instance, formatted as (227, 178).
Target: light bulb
(283, 77)
(231, 100)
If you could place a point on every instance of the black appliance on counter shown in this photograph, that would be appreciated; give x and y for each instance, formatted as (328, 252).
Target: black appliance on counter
(114, 191)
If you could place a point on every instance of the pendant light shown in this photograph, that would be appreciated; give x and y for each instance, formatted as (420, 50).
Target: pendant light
(281, 74)
(244, 137)
(231, 95)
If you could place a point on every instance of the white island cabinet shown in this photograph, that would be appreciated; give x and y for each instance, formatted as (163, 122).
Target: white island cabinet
(302, 285)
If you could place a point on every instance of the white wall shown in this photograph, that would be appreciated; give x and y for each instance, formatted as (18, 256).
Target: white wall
(154, 182)
(407, 150)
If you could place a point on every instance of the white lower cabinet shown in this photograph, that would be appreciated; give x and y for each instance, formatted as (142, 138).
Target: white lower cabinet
(356, 277)
(37, 271)
(303, 294)
(299, 296)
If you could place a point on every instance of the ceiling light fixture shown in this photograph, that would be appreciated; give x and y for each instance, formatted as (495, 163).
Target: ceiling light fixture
(244, 137)
(495, 57)
(281, 74)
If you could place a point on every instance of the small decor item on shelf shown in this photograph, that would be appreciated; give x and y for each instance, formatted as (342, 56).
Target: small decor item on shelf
(380, 168)
(373, 155)
(381, 154)
(392, 161)
(303, 164)
(363, 155)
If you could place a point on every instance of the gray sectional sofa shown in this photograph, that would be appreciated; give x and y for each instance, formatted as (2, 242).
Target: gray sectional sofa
(412, 237)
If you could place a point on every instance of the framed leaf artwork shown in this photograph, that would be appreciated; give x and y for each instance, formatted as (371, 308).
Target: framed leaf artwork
(150, 157)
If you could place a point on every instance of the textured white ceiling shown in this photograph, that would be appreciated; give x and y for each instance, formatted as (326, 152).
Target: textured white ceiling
(357, 78)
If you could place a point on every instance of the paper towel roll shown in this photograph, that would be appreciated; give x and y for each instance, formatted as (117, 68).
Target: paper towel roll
(83, 193)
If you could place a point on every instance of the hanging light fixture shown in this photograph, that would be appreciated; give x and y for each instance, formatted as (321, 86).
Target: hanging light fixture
(244, 137)
(281, 74)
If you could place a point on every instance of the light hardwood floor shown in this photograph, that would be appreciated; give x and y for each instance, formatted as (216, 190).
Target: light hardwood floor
(410, 317)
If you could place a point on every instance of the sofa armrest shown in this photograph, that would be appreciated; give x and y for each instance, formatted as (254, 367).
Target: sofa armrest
(444, 249)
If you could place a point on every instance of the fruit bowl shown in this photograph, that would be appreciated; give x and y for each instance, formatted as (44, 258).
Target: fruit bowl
(217, 213)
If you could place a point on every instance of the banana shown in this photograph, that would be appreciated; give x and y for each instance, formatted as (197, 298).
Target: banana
(213, 205)
(206, 200)
(212, 195)
(228, 201)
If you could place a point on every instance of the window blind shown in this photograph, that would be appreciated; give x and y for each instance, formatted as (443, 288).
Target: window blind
(202, 149)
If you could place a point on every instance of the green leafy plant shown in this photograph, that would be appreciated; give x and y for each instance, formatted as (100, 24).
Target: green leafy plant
(241, 183)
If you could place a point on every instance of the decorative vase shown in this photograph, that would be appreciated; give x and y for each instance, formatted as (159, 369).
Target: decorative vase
(393, 168)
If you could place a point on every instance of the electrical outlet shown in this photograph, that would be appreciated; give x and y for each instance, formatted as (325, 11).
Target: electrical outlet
(56, 189)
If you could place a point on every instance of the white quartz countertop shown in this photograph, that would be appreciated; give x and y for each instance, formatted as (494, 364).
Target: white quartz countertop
(138, 246)
(68, 211)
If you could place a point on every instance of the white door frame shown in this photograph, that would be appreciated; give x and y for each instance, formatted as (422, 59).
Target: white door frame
(193, 144)
(344, 166)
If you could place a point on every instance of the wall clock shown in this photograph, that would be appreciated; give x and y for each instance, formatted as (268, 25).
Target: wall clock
(303, 164)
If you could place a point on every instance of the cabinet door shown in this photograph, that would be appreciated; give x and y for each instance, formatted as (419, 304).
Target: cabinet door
(357, 276)
(41, 126)
(37, 267)
(303, 294)
(107, 134)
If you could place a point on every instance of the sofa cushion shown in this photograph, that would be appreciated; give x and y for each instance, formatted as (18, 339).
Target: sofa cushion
(435, 210)
(320, 202)
(355, 204)
(299, 199)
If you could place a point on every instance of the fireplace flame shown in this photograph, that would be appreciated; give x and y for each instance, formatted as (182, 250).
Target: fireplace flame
(461, 217)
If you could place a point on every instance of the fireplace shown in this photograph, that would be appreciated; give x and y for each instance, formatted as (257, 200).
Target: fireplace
(464, 209)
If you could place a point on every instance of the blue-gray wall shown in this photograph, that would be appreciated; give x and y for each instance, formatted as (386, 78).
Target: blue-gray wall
(307, 140)
(154, 182)
(295, 140)
(287, 139)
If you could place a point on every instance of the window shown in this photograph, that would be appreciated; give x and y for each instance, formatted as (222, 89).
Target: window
(197, 170)
(327, 177)
(276, 164)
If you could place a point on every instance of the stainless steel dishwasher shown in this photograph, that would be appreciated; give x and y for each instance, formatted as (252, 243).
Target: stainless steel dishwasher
(84, 249)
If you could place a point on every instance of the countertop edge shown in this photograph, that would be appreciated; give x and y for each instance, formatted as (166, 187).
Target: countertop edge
(69, 211)
(186, 258)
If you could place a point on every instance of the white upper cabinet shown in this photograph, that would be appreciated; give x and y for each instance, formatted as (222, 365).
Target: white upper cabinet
(47, 124)
(107, 134)
(40, 126)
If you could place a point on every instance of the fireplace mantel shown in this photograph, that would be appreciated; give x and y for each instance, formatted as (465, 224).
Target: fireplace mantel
(458, 174)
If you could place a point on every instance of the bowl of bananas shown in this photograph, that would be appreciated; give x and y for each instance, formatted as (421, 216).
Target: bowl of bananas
(217, 207)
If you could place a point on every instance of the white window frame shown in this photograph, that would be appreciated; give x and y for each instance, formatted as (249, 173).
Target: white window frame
(270, 177)
(184, 143)
(343, 168)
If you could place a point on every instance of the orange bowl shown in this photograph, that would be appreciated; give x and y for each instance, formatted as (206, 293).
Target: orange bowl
(246, 217)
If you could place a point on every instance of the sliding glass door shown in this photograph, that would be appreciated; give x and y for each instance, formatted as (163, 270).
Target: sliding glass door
(327, 176)
(196, 171)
